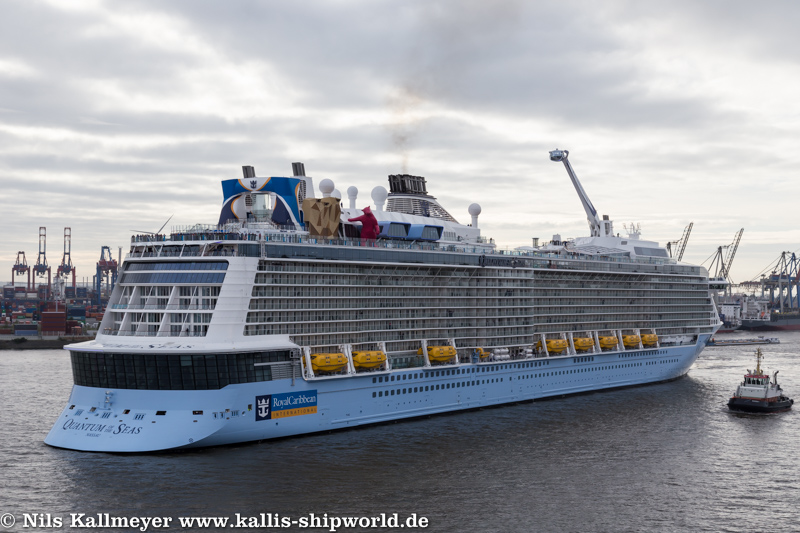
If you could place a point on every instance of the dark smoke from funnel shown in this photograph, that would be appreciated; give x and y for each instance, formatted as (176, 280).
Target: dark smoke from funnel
(449, 40)
(404, 128)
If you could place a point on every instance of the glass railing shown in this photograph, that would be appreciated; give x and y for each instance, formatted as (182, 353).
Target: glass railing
(201, 236)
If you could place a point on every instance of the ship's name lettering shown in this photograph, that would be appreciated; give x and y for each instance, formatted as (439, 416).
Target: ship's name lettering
(291, 401)
(122, 429)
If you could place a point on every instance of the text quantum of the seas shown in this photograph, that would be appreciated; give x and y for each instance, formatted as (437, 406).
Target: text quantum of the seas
(95, 430)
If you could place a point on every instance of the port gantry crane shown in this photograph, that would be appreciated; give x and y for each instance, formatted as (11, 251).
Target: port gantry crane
(66, 268)
(41, 268)
(783, 284)
(21, 267)
(721, 279)
(106, 273)
(680, 244)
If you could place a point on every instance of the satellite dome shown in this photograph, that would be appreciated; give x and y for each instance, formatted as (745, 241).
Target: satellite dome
(326, 187)
(379, 196)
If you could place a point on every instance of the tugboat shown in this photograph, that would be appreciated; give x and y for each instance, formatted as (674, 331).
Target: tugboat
(757, 395)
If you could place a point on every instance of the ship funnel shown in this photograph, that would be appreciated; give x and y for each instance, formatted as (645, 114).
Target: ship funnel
(248, 171)
(298, 169)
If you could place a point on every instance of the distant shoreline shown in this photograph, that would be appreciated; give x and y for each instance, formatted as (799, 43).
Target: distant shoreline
(39, 344)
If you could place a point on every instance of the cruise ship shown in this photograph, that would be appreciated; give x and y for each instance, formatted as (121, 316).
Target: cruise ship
(293, 314)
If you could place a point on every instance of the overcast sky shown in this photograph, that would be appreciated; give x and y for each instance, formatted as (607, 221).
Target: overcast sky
(116, 115)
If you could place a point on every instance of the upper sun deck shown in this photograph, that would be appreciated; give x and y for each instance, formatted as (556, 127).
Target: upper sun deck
(259, 240)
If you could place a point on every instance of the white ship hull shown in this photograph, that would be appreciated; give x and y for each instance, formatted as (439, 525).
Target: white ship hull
(230, 415)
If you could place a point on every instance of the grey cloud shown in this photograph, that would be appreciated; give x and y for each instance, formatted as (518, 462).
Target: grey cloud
(566, 67)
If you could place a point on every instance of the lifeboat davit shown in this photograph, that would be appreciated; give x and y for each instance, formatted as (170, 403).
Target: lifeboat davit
(582, 343)
(368, 359)
(553, 345)
(608, 342)
(439, 353)
(631, 341)
(328, 362)
(649, 339)
(480, 352)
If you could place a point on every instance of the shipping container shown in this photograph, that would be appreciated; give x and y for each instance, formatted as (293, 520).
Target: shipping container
(77, 312)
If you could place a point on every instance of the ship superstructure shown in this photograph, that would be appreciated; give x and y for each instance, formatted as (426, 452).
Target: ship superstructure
(280, 320)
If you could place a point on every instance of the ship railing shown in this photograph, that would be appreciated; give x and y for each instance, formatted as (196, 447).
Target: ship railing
(290, 235)
(129, 333)
(170, 307)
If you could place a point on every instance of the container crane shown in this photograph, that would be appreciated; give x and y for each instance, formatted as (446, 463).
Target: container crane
(732, 253)
(722, 265)
(106, 272)
(597, 227)
(66, 268)
(783, 284)
(41, 268)
(680, 244)
(21, 267)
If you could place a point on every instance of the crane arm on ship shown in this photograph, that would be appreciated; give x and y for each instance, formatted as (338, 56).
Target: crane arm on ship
(596, 225)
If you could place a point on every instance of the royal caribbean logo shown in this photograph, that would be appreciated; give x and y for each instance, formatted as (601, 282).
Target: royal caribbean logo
(262, 407)
(253, 184)
(285, 405)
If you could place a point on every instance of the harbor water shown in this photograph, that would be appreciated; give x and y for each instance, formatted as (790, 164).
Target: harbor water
(663, 457)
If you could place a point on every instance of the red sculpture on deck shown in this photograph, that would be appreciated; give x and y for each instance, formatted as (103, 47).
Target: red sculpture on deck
(369, 224)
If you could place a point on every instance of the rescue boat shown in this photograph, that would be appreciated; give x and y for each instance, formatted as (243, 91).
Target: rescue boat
(582, 343)
(368, 359)
(328, 362)
(608, 342)
(553, 345)
(439, 353)
(649, 339)
(631, 341)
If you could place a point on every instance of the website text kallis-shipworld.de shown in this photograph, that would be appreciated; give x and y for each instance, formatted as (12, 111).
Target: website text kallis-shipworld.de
(260, 521)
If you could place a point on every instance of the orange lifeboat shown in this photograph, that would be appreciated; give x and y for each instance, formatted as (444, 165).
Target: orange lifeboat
(649, 339)
(582, 343)
(439, 353)
(631, 341)
(368, 359)
(608, 342)
(328, 362)
(553, 345)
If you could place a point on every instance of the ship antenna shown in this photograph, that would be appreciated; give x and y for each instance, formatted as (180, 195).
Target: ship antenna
(759, 356)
